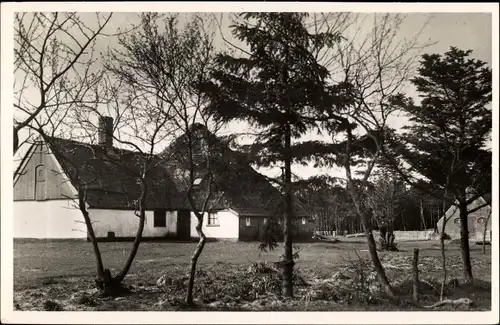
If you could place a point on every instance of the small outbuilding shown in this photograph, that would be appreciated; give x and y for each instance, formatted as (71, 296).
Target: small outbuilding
(477, 220)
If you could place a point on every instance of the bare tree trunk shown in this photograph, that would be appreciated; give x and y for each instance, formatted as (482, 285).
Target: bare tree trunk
(422, 214)
(91, 234)
(288, 262)
(415, 275)
(464, 242)
(15, 140)
(443, 257)
(384, 281)
(485, 232)
(372, 246)
(194, 258)
(138, 236)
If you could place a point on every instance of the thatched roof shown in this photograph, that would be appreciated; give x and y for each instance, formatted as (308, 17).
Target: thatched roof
(111, 175)
(236, 184)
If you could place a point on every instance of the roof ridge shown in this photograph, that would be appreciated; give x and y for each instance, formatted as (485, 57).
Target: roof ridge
(95, 145)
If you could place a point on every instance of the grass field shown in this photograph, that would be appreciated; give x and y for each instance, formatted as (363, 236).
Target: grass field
(57, 271)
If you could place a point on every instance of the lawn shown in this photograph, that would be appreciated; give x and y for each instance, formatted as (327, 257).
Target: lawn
(62, 271)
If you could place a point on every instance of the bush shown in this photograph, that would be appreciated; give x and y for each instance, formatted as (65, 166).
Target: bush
(261, 267)
(387, 242)
(258, 279)
(446, 236)
(51, 305)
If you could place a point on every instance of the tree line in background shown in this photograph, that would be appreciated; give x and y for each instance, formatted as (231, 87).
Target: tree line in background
(299, 73)
(327, 199)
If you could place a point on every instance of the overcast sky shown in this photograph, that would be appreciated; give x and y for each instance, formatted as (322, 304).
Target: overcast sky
(463, 30)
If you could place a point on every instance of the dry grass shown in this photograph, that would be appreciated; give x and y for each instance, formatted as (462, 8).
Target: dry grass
(59, 275)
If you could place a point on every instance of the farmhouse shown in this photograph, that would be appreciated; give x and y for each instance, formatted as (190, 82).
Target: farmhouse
(242, 200)
(476, 220)
(47, 181)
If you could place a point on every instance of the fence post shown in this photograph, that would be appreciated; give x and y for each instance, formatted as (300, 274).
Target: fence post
(415, 275)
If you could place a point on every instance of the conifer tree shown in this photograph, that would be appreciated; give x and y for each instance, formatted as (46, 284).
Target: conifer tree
(277, 87)
(446, 141)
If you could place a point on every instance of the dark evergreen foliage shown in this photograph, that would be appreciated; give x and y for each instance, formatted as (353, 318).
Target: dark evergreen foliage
(280, 89)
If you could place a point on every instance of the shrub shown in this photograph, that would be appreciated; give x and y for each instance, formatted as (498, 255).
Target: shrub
(387, 242)
(261, 267)
(51, 305)
(446, 236)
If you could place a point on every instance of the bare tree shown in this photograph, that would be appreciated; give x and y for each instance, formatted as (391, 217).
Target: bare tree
(377, 68)
(141, 128)
(384, 199)
(55, 66)
(144, 125)
(59, 85)
(169, 65)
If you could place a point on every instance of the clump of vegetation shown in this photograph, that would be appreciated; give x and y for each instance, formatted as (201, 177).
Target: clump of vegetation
(429, 286)
(87, 300)
(388, 244)
(364, 284)
(51, 305)
(445, 236)
(260, 279)
(355, 283)
(261, 267)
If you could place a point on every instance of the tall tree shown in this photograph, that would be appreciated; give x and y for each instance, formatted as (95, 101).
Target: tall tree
(447, 140)
(135, 178)
(55, 67)
(167, 61)
(58, 88)
(272, 87)
(377, 67)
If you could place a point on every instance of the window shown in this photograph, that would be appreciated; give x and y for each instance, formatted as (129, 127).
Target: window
(247, 222)
(265, 221)
(160, 218)
(40, 182)
(304, 221)
(213, 219)
(481, 220)
(456, 221)
(40, 173)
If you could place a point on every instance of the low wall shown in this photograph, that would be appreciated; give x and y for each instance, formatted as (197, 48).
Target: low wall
(399, 234)
(331, 233)
(410, 235)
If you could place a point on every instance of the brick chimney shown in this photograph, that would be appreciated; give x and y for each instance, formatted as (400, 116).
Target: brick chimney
(105, 132)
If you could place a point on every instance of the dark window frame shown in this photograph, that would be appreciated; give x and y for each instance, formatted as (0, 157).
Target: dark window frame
(40, 183)
(213, 220)
(39, 179)
(160, 219)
